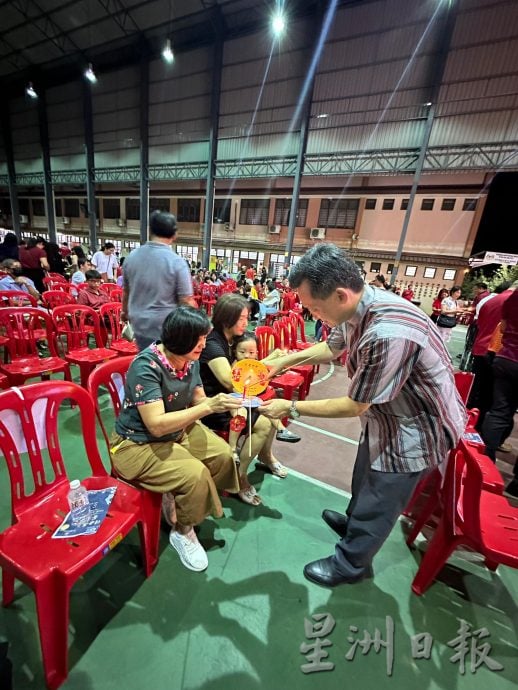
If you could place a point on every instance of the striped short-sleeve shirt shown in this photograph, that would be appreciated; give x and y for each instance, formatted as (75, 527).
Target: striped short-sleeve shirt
(398, 364)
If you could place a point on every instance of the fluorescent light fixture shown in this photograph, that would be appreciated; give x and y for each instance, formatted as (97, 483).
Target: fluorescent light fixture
(90, 74)
(278, 24)
(428, 104)
(29, 90)
(322, 115)
(167, 52)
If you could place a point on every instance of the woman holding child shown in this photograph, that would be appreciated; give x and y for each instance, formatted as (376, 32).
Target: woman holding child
(230, 321)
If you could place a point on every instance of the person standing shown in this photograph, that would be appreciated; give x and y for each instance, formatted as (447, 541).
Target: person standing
(499, 420)
(34, 261)
(449, 309)
(156, 281)
(402, 389)
(106, 263)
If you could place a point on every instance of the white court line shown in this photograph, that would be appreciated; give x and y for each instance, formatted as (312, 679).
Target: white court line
(326, 376)
(319, 483)
(325, 432)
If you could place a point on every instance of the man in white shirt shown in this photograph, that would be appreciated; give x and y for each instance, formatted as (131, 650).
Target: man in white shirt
(106, 263)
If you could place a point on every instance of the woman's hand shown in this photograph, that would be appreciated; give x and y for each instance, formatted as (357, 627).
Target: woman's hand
(222, 402)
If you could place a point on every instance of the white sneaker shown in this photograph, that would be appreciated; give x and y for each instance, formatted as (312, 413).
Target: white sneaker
(191, 552)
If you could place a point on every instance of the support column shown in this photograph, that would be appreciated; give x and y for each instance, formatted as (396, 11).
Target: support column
(144, 149)
(90, 164)
(213, 146)
(445, 27)
(5, 122)
(50, 210)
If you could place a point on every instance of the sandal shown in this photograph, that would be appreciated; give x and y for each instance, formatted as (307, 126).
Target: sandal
(249, 496)
(276, 468)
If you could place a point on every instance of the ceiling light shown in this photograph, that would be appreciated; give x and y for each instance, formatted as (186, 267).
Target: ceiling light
(167, 52)
(278, 24)
(29, 90)
(90, 74)
(322, 115)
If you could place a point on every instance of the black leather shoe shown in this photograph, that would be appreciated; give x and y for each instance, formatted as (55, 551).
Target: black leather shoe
(323, 572)
(336, 521)
(287, 436)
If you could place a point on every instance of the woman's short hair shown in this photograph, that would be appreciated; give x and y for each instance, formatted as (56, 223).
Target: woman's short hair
(227, 311)
(455, 288)
(182, 329)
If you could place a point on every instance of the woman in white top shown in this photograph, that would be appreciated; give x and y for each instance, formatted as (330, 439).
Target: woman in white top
(449, 307)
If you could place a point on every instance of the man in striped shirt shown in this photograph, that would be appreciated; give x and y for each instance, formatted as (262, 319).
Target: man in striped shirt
(401, 387)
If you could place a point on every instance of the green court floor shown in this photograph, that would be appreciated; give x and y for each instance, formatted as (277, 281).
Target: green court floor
(243, 623)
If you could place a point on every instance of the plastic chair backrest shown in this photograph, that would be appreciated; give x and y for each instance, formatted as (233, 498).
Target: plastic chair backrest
(16, 298)
(298, 322)
(29, 423)
(289, 300)
(111, 315)
(109, 287)
(23, 326)
(55, 298)
(73, 325)
(267, 340)
(463, 383)
(462, 490)
(57, 277)
(111, 375)
(282, 331)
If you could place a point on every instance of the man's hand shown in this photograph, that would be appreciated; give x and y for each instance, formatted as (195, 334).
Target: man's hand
(275, 409)
(21, 280)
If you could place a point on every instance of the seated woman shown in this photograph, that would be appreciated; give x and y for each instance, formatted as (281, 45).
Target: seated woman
(230, 320)
(270, 304)
(159, 442)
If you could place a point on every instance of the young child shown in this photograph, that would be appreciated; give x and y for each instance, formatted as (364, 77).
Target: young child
(245, 347)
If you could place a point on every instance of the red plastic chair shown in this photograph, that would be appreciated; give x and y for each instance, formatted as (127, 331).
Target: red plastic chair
(112, 375)
(430, 488)
(111, 316)
(481, 520)
(56, 298)
(57, 277)
(282, 328)
(25, 327)
(111, 288)
(463, 383)
(17, 298)
(29, 419)
(291, 383)
(208, 297)
(4, 381)
(74, 324)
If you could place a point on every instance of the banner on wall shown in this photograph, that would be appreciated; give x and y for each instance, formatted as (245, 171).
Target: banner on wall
(486, 258)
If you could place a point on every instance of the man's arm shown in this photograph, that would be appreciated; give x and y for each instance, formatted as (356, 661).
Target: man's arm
(319, 353)
(125, 298)
(331, 407)
(22, 280)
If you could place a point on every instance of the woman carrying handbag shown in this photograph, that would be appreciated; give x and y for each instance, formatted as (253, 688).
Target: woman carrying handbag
(447, 319)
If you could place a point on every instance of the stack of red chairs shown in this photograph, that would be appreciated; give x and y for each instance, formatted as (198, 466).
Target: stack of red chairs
(471, 515)
(282, 328)
(209, 294)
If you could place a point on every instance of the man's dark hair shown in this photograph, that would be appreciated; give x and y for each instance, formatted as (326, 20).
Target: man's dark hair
(270, 284)
(8, 263)
(82, 261)
(162, 224)
(227, 311)
(108, 245)
(502, 287)
(326, 267)
(92, 274)
(482, 286)
(182, 329)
